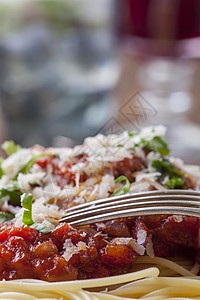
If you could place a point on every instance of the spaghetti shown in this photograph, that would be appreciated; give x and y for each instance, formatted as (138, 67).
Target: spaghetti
(143, 284)
(146, 257)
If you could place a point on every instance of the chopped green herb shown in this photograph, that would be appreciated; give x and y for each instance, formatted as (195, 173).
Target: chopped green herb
(26, 168)
(133, 134)
(43, 227)
(123, 190)
(120, 145)
(174, 183)
(5, 217)
(13, 193)
(176, 179)
(165, 166)
(10, 147)
(26, 203)
(156, 144)
(1, 170)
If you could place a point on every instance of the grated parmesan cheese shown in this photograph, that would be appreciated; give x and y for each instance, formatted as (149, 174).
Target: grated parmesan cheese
(130, 242)
(71, 249)
(25, 180)
(141, 236)
(50, 198)
(149, 247)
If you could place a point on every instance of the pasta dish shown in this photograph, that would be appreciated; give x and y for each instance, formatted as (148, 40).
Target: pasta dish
(147, 256)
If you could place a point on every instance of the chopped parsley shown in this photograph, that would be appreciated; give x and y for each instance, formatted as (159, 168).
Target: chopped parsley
(175, 178)
(165, 166)
(12, 194)
(156, 144)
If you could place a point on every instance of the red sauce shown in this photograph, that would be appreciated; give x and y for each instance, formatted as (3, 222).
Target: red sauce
(126, 167)
(62, 173)
(27, 253)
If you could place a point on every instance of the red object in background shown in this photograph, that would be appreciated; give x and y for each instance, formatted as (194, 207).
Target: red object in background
(159, 27)
(188, 19)
(135, 17)
(132, 17)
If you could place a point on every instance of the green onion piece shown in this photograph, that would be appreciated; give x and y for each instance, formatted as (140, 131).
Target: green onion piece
(174, 183)
(26, 203)
(123, 190)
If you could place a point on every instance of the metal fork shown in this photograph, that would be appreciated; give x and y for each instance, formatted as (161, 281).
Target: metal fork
(168, 202)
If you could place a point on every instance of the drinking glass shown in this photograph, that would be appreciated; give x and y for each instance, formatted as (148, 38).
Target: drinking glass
(160, 36)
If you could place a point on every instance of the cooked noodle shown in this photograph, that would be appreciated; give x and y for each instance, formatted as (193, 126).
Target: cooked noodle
(144, 284)
(92, 169)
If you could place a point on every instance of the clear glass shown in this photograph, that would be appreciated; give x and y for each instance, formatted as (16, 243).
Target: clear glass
(166, 85)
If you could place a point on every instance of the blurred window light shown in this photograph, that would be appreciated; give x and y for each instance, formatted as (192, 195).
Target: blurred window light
(57, 59)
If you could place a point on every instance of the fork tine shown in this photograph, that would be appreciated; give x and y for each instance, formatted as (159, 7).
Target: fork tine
(134, 205)
(83, 210)
(121, 207)
(135, 195)
(138, 212)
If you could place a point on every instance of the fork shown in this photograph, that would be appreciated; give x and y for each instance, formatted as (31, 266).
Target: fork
(167, 202)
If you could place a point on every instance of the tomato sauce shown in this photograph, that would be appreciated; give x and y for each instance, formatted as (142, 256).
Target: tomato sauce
(96, 250)
(62, 172)
(28, 253)
(126, 167)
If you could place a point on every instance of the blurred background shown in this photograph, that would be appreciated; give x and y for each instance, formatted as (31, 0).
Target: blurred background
(73, 68)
